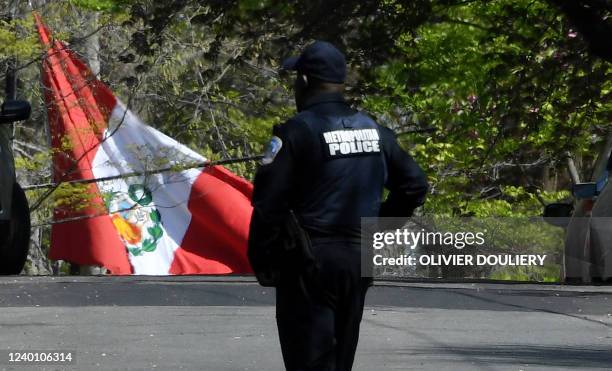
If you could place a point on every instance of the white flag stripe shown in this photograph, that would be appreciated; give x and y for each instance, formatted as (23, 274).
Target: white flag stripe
(135, 146)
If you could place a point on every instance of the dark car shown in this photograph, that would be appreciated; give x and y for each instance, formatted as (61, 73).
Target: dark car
(14, 210)
(588, 241)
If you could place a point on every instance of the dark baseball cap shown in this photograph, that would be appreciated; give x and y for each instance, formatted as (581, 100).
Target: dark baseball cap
(320, 60)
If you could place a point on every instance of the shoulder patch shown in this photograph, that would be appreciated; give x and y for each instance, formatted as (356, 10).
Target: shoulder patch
(273, 148)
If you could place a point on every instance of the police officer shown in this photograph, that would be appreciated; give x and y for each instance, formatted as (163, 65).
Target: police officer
(327, 165)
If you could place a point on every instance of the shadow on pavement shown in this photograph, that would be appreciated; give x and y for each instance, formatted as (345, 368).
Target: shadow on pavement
(550, 356)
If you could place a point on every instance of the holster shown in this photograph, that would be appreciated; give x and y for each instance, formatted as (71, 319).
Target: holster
(292, 256)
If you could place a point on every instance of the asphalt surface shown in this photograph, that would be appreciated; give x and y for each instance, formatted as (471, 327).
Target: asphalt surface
(208, 323)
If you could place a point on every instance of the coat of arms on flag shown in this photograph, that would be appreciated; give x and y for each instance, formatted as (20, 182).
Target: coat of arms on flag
(135, 218)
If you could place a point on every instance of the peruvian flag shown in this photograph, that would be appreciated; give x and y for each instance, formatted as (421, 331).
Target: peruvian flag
(181, 222)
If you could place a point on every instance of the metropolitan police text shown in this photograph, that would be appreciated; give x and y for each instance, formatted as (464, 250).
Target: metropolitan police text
(347, 142)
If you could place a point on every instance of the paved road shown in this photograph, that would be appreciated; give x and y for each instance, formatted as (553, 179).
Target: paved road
(219, 324)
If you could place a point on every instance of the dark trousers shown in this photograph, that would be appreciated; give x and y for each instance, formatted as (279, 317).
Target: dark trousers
(318, 317)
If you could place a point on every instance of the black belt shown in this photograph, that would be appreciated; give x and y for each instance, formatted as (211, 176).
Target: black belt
(315, 240)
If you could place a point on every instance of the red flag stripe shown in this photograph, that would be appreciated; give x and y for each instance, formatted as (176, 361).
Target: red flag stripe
(81, 116)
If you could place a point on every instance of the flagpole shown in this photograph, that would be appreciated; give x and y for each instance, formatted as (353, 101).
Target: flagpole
(148, 172)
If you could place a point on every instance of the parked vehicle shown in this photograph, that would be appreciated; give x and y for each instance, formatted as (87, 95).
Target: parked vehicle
(14, 209)
(588, 241)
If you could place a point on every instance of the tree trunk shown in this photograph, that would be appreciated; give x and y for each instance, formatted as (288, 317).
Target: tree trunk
(602, 158)
(573, 172)
(91, 52)
(91, 49)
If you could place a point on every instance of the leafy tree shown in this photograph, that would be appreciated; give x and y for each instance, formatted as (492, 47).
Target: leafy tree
(489, 96)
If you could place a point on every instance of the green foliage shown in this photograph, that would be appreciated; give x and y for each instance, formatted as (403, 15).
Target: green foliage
(509, 87)
(34, 164)
(113, 6)
(16, 41)
(547, 273)
(76, 197)
(503, 83)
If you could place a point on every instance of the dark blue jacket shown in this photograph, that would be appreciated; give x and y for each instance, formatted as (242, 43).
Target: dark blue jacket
(331, 170)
